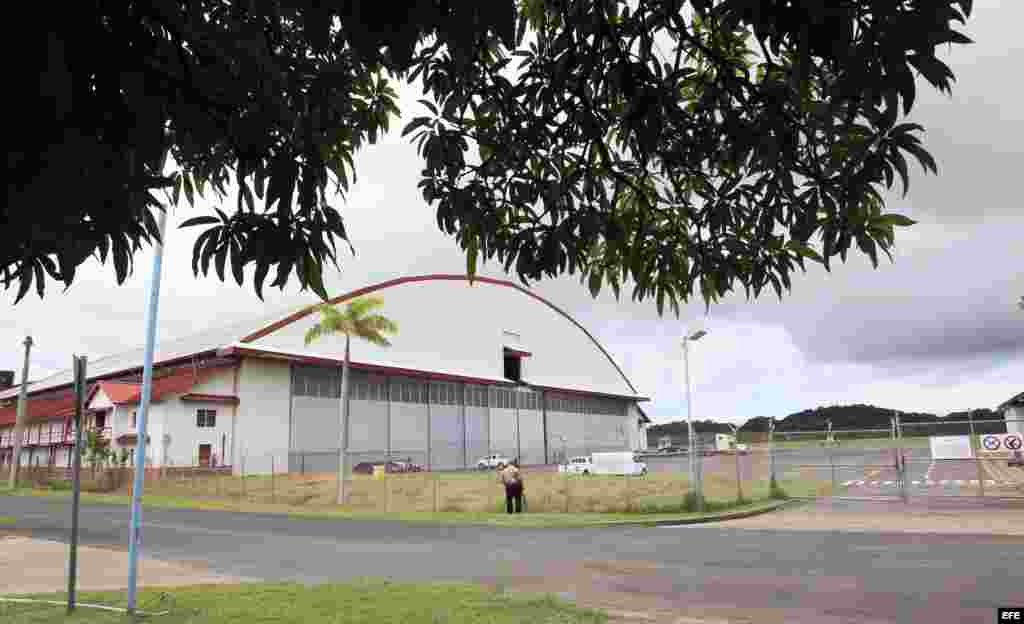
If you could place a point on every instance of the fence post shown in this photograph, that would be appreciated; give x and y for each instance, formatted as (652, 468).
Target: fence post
(273, 487)
(901, 461)
(832, 463)
(771, 450)
(977, 458)
(739, 479)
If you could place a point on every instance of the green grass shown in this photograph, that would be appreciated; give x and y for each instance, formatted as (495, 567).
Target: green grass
(6, 520)
(368, 602)
(713, 509)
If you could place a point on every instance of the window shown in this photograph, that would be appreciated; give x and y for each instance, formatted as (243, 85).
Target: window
(513, 367)
(206, 418)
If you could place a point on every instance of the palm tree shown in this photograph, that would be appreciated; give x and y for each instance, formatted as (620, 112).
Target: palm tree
(355, 320)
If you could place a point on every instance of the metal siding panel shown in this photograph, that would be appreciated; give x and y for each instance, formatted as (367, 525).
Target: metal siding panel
(503, 431)
(368, 427)
(478, 442)
(565, 435)
(409, 429)
(446, 437)
(531, 437)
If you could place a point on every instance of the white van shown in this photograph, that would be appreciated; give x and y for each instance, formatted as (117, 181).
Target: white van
(618, 463)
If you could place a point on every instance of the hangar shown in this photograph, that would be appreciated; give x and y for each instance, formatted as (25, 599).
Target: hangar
(476, 368)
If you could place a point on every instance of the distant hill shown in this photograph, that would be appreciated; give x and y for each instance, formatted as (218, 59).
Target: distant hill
(848, 417)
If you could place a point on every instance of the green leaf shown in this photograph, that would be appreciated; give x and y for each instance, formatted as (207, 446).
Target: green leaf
(204, 220)
(237, 268)
(894, 219)
(804, 251)
(262, 268)
(472, 253)
(595, 282)
(186, 181)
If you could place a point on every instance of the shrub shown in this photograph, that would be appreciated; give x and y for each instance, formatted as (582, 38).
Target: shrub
(692, 502)
(775, 490)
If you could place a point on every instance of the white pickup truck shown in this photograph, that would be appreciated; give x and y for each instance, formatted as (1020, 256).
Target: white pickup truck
(492, 462)
(618, 463)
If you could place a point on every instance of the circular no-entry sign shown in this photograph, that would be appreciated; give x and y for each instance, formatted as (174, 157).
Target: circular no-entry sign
(991, 443)
(1013, 443)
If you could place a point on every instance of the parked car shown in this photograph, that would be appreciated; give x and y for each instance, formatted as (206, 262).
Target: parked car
(390, 467)
(617, 463)
(492, 462)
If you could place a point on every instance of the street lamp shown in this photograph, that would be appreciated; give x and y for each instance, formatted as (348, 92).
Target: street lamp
(687, 339)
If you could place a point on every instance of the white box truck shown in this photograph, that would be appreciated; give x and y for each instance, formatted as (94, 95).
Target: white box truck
(617, 463)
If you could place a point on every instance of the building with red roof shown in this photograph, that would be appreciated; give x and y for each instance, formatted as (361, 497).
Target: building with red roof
(480, 368)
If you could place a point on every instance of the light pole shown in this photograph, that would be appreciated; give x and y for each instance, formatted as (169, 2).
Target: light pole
(687, 339)
(20, 417)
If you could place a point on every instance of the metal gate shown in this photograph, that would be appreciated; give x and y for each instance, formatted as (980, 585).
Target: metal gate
(912, 459)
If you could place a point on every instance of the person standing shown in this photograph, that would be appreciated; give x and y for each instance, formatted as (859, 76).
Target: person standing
(512, 479)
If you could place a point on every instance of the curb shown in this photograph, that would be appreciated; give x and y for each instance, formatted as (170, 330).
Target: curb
(736, 515)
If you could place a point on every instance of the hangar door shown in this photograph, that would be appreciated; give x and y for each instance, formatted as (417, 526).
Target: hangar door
(315, 419)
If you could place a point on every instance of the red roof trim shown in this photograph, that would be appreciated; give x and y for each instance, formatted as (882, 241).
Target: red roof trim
(125, 371)
(211, 398)
(410, 372)
(291, 318)
(588, 393)
(379, 368)
(517, 352)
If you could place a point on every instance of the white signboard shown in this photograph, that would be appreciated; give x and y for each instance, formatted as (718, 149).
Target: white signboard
(1002, 443)
(951, 447)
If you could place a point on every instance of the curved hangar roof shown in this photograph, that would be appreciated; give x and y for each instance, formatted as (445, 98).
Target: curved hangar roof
(447, 326)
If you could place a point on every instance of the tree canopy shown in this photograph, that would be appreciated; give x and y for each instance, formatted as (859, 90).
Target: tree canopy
(681, 147)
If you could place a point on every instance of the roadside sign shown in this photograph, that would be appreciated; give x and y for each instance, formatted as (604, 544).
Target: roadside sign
(1001, 442)
(951, 447)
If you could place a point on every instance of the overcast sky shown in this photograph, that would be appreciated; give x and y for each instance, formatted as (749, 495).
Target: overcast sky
(936, 331)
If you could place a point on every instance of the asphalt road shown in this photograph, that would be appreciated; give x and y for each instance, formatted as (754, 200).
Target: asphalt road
(772, 575)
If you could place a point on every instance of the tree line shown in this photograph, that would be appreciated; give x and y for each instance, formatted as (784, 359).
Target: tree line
(845, 418)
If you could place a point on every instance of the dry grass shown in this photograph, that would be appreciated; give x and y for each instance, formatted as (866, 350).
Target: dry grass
(480, 492)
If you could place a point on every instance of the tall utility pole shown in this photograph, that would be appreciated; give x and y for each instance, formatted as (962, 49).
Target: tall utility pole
(19, 423)
(142, 437)
(693, 483)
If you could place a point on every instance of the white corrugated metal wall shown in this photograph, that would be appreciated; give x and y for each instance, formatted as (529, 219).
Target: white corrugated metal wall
(444, 425)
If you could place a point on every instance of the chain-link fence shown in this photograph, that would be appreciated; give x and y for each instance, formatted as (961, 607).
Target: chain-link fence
(402, 482)
(910, 458)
